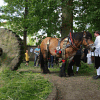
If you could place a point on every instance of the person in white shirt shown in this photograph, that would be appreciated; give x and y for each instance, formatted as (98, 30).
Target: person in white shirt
(97, 53)
(89, 58)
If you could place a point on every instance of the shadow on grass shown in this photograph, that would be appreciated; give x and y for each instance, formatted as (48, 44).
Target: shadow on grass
(84, 70)
(33, 71)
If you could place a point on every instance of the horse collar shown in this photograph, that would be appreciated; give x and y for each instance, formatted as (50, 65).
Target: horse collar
(84, 36)
(72, 42)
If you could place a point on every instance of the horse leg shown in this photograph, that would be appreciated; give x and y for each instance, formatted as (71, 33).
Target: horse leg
(45, 68)
(62, 70)
(70, 71)
(41, 61)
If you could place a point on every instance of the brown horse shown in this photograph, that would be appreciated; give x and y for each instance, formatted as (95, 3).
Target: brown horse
(49, 46)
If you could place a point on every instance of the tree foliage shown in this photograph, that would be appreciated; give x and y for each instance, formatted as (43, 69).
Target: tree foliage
(44, 14)
(88, 14)
(41, 15)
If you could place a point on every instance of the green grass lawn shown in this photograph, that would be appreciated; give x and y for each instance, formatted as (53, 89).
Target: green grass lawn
(31, 67)
(86, 69)
(23, 86)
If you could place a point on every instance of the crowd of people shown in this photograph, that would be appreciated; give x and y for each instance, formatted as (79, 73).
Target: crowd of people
(36, 59)
(77, 58)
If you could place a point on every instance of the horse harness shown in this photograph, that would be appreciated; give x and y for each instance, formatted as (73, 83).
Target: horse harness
(71, 44)
(84, 36)
(67, 39)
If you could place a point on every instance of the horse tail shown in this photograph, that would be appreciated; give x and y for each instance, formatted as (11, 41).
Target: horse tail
(41, 60)
(47, 50)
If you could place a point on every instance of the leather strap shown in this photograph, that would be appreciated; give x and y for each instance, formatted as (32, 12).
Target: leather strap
(72, 42)
(64, 47)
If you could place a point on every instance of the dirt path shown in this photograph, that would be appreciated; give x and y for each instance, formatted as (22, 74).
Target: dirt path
(76, 88)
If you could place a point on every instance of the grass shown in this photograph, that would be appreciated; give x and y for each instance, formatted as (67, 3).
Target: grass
(23, 86)
(84, 69)
(31, 67)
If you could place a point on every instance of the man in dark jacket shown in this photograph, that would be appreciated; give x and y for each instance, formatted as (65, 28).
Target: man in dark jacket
(85, 55)
(76, 60)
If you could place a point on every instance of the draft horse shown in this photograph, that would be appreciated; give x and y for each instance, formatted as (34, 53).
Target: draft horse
(56, 47)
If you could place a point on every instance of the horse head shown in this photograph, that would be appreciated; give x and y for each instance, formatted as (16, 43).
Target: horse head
(87, 40)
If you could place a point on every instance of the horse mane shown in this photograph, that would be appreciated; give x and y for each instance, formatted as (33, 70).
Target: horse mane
(79, 35)
(75, 36)
(63, 38)
(88, 35)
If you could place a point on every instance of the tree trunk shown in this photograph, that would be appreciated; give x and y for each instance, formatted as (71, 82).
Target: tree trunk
(67, 18)
(49, 28)
(25, 40)
(25, 25)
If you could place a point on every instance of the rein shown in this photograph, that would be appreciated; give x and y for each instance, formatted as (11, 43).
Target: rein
(86, 40)
(84, 36)
(73, 43)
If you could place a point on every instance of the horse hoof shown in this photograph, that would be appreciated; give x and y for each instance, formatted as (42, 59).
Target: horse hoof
(60, 76)
(71, 74)
(44, 72)
(41, 70)
(63, 75)
(48, 72)
(76, 72)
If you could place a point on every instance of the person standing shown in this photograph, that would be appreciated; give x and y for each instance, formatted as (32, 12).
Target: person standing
(76, 60)
(26, 57)
(85, 55)
(51, 61)
(97, 53)
(89, 57)
(36, 51)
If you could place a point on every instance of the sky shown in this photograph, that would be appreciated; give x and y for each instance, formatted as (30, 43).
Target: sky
(2, 3)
